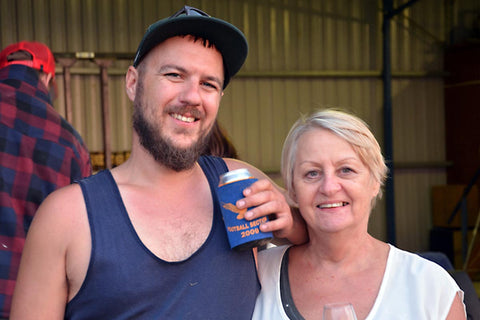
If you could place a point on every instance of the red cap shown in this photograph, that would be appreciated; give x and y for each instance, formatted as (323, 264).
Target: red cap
(42, 57)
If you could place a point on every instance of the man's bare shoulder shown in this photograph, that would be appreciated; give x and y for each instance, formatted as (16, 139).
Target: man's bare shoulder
(234, 164)
(63, 205)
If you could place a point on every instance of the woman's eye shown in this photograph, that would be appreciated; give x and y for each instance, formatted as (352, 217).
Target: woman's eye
(312, 174)
(346, 170)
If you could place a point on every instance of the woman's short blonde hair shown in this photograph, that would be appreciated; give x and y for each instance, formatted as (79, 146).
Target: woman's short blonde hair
(346, 126)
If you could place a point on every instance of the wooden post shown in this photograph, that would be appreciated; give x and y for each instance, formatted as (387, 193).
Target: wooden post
(104, 64)
(66, 64)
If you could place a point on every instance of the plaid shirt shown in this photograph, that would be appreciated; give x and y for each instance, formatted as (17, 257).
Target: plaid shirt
(39, 152)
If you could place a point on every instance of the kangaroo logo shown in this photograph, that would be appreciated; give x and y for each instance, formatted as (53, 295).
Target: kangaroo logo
(231, 207)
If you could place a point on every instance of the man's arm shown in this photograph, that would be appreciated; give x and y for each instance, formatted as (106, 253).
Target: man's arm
(41, 291)
(269, 199)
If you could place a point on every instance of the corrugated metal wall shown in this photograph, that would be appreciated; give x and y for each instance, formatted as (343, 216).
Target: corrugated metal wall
(304, 54)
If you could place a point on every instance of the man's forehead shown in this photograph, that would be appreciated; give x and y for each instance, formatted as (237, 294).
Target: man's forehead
(178, 52)
(178, 42)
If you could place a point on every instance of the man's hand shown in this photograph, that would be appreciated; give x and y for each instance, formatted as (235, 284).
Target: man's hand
(268, 200)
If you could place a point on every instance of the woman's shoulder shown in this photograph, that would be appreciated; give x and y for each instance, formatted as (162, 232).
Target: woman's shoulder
(413, 286)
(416, 267)
(411, 258)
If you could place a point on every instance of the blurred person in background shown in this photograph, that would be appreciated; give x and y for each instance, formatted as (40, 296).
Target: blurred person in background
(219, 143)
(39, 151)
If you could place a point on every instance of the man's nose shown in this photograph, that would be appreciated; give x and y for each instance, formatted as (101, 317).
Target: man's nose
(191, 93)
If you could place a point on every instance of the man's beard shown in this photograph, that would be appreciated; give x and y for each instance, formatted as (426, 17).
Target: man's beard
(162, 149)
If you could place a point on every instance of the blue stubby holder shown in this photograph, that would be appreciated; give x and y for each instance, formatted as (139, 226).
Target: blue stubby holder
(242, 234)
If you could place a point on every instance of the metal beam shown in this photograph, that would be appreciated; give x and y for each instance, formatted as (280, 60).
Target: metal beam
(388, 13)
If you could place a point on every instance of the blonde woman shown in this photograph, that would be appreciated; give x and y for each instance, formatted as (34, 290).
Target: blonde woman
(334, 170)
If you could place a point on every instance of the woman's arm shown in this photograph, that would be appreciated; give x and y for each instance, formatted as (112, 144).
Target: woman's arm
(457, 310)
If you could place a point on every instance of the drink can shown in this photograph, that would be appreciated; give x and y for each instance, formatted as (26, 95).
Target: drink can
(242, 234)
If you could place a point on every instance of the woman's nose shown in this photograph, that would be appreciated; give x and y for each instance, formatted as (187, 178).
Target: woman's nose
(330, 184)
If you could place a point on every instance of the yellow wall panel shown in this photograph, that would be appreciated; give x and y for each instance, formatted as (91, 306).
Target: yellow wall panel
(303, 54)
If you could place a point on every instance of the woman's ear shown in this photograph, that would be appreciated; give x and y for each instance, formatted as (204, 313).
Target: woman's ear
(293, 197)
(376, 189)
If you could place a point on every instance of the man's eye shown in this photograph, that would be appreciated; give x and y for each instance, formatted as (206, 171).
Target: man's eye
(210, 85)
(172, 74)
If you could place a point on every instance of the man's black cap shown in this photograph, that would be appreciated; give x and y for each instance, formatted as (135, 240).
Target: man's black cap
(227, 38)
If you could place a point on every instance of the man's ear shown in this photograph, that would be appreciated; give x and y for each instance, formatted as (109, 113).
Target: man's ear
(45, 78)
(131, 81)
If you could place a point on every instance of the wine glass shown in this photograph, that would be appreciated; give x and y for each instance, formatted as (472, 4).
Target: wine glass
(339, 311)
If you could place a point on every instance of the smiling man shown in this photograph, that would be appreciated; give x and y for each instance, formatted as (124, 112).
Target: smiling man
(146, 240)
(190, 92)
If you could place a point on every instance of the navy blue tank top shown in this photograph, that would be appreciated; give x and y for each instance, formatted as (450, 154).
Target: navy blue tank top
(127, 281)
